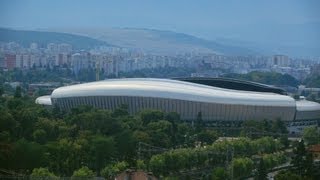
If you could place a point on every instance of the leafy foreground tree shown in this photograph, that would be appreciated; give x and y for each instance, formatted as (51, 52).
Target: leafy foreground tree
(42, 174)
(303, 164)
(311, 135)
(261, 171)
(298, 160)
(285, 175)
(32, 136)
(112, 170)
(220, 173)
(83, 172)
(242, 167)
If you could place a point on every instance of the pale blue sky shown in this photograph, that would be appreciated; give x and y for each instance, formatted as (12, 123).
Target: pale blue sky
(240, 19)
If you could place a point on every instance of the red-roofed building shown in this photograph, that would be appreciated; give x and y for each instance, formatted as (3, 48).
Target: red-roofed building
(315, 150)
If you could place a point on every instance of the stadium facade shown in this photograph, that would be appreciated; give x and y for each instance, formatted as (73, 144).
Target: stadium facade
(186, 98)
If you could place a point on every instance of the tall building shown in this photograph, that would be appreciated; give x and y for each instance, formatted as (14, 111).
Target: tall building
(79, 61)
(52, 48)
(280, 60)
(9, 61)
(34, 46)
(64, 48)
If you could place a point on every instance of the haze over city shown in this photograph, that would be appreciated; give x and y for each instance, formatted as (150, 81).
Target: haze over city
(274, 26)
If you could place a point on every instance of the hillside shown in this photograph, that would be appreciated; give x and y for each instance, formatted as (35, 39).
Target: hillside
(157, 41)
(43, 38)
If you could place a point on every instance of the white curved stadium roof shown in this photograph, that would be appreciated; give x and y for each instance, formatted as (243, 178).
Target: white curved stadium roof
(44, 100)
(304, 105)
(172, 89)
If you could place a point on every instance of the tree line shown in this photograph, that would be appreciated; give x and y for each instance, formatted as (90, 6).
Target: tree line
(38, 141)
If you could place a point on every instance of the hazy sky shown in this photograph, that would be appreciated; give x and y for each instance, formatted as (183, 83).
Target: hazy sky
(204, 18)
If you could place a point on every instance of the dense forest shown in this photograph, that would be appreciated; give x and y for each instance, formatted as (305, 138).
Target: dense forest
(88, 142)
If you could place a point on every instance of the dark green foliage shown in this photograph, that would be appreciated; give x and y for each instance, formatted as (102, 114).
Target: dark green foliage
(220, 173)
(285, 175)
(102, 148)
(83, 172)
(207, 136)
(242, 167)
(148, 116)
(108, 142)
(184, 159)
(261, 171)
(18, 92)
(311, 135)
(1, 90)
(298, 160)
(26, 155)
(42, 174)
(254, 129)
(302, 162)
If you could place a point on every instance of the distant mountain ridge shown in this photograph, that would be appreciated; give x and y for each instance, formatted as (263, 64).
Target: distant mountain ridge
(158, 41)
(26, 37)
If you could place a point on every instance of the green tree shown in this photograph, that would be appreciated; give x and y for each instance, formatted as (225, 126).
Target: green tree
(309, 166)
(279, 126)
(285, 175)
(173, 117)
(261, 171)
(284, 141)
(149, 115)
(298, 161)
(311, 135)
(27, 155)
(40, 136)
(103, 150)
(83, 172)
(126, 145)
(111, 171)
(18, 92)
(42, 174)
(207, 136)
(7, 122)
(1, 90)
(159, 133)
(219, 173)
(121, 111)
(242, 167)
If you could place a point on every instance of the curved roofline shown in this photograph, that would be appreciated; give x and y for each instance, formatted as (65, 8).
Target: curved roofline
(304, 105)
(44, 100)
(173, 89)
(264, 87)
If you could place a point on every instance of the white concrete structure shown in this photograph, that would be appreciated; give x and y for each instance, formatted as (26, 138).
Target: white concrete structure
(187, 99)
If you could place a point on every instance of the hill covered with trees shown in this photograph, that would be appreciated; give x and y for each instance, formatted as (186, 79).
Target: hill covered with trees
(25, 38)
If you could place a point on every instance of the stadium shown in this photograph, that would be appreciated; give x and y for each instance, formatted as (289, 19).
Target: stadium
(188, 97)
